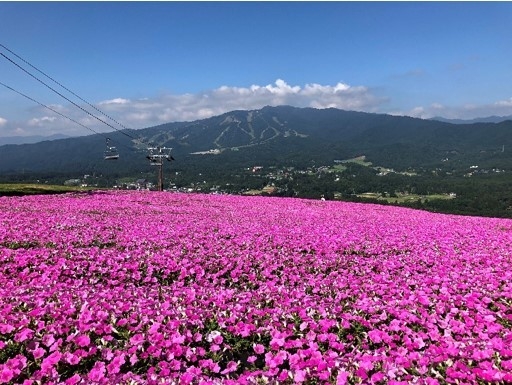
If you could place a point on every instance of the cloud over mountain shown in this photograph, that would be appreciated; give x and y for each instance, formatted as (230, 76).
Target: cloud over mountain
(164, 108)
(168, 107)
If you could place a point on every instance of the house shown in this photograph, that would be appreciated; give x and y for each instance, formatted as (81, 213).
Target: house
(142, 184)
(72, 182)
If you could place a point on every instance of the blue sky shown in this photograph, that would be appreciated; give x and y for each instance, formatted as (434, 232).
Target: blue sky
(147, 63)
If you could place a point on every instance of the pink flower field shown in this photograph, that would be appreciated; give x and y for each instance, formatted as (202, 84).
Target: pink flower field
(161, 288)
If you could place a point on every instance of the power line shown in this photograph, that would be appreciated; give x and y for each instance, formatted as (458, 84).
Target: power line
(168, 157)
(67, 89)
(50, 108)
(58, 113)
(64, 97)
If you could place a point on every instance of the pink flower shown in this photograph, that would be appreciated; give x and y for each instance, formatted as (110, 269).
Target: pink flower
(50, 361)
(214, 348)
(375, 336)
(258, 348)
(419, 343)
(215, 337)
(23, 335)
(83, 340)
(342, 378)
(97, 373)
(299, 376)
(6, 328)
(231, 367)
(137, 339)
(275, 360)
(71, 358)
(283, 376)
(366, 363)
(179, 339)
(6, 374)
(115, 365)
(73, 380)
(154, 328)
(38, 353)
(507, 365)
(376, 377)
(48, 340)
(277, 342)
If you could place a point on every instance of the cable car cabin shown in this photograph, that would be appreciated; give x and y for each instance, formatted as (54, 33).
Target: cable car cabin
(111, 153)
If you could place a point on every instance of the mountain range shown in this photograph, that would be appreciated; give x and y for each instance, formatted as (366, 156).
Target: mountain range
(29, 139)
(272, 135)
(488, 119)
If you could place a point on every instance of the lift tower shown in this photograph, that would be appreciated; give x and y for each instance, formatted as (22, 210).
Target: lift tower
(156, 158)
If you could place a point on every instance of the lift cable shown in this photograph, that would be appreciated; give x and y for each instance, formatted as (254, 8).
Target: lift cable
(69, 100)
(70, 91)
(54, 110)
(142, 141)
(48, 107)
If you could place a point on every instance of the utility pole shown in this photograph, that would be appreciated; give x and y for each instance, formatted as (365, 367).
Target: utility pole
(156, 158)
(161, 177)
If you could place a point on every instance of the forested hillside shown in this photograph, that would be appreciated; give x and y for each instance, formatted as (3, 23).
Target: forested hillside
(295, 146)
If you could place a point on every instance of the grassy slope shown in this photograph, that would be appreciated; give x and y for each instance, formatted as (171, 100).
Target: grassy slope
(16, 189)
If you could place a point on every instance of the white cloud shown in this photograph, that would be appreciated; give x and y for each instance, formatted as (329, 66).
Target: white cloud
(504, 103)
(465, 112)
(114, 101)
(164, 108)
(187, 107)
(158, 109)
(41, 121)
(417, 112)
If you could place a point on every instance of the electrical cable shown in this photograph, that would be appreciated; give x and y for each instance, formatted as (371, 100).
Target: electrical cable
(69, 100)
(55, 111)
(48, 107)
(67, 89)
(147, 144)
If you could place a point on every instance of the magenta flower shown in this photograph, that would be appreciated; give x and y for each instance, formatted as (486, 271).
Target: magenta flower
(377, 377)
(342, 378)
(154, 328)
(38, 353)
(6, 328)
(215, 337)
(48, 340)
(374, 294)
(71, 358)
(375, 336)
(49, 362)
(83, 340)
(251, 359)
(299, 376)
(231, 367)
(137, 339)
(6, 374)
(23, 335)
(75, 379)
(97, 373)
(114, 366)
